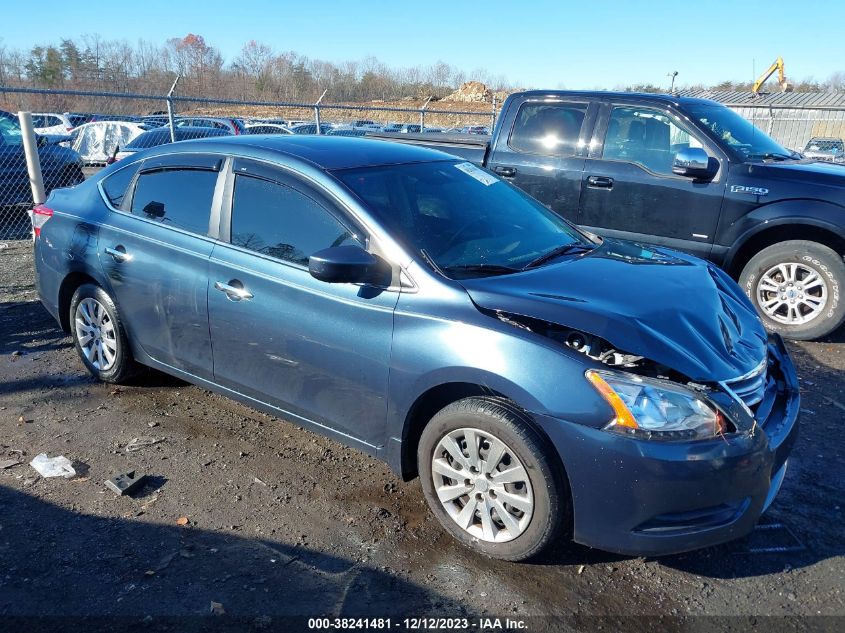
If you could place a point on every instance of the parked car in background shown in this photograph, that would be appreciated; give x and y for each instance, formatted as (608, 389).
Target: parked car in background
(128, 118)
(267, 128)
(311, 128)
(52, 123)
(685, 173)
(392, 128)
(161, 136)
(475, 129)
(825, 148)
(410, 304)
(295, 122)
(346, 131)
(155, 120)
(234, 126)
(60, 166)
(96, 142)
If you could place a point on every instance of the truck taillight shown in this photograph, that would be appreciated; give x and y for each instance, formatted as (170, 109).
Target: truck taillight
(39, 216)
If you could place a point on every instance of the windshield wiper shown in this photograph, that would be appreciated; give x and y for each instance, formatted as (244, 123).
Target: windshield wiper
(774, 156)
(490, 269)
(560, 251)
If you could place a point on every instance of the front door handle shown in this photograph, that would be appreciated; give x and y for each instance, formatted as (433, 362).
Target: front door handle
(506, 172)
(600, 182)
(234, 290)
(118, 253)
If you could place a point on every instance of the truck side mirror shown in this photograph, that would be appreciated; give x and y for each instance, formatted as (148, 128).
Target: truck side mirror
(694, 162)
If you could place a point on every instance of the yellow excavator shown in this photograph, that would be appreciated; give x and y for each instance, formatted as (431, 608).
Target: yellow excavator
(785, 86)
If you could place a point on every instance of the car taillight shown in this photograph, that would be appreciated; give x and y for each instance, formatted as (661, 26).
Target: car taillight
(39, 216)
(69, 129)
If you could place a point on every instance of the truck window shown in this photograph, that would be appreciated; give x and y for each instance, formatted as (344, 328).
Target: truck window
(649, 138)
(549, 129)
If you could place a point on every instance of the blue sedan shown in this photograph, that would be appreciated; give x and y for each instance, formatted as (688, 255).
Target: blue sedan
(540, 381)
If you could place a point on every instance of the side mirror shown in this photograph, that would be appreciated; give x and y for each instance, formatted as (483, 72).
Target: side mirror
(694, 163)
(345, 265)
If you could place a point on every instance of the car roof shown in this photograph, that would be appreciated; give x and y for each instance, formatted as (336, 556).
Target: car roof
(324, 152)
(673, 99)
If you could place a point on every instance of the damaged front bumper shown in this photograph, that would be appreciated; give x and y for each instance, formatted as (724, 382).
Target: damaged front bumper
(648, 498)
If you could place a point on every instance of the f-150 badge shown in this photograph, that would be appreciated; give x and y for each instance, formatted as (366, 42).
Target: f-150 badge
(752, 191)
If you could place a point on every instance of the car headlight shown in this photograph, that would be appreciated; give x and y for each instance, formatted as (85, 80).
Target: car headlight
(656, 409)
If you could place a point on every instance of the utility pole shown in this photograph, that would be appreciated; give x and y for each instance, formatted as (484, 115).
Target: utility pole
(672, 76)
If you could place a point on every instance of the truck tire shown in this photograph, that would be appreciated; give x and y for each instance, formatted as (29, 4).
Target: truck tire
(492, 480)
(795, 286)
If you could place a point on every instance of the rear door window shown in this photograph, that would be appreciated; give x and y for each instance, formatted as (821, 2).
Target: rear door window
(552, 129)
(277, 220)
(176, 197)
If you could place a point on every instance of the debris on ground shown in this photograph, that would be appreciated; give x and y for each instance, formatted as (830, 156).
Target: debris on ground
(217, 608)
(125, 483)
(137, 443)
(182, 521)
(8, 463)
(59, 466)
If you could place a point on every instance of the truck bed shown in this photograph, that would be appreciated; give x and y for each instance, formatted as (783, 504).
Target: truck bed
(471, 147)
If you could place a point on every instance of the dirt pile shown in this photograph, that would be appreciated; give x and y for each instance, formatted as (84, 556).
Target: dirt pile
(471, 92)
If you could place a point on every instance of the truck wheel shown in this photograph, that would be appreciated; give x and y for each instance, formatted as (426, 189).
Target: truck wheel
(795, 286)
(491, 480)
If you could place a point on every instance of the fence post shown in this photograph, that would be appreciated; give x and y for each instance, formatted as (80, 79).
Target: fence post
(170, 110)
(493, 115)
(317, 112)
(33, 161)
(422, 114)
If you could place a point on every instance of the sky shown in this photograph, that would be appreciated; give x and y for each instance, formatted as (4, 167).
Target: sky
(533, 43)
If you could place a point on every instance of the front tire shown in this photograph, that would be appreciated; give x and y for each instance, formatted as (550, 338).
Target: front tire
(492, 480)
(99, 335)
(795, 287)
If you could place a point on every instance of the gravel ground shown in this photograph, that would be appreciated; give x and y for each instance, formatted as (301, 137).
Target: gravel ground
(282, 522)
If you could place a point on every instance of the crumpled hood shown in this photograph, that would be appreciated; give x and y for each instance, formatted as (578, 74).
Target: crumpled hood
(671, 308)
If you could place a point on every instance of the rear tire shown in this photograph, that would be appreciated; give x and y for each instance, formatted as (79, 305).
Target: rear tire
(99, 335)
(515, 500)
(795, 287)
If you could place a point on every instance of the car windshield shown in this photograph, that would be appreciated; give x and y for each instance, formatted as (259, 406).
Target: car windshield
(463, 220)
(824, 145)
(10, 130)
(738, 133)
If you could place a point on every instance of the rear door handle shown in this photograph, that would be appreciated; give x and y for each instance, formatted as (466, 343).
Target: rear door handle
(600, 182)
(506, 172)
(234, 290)
(118, 253)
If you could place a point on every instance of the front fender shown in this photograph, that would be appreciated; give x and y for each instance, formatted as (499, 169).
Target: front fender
(803, 211)
(537, 374)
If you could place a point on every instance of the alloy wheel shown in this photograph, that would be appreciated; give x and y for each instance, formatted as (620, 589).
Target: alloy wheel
(792, 293)
(482, 485)
(96, 334)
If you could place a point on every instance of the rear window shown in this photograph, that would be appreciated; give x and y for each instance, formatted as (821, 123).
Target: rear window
(550, 129)
(116, 184)
(176, 197)
(149, 139)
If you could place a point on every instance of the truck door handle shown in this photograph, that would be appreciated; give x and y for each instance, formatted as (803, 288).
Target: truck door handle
(234, 290)
(600, 182)
(118, 253)
(506, 172)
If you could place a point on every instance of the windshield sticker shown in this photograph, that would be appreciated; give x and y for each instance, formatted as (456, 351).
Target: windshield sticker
(479, 174)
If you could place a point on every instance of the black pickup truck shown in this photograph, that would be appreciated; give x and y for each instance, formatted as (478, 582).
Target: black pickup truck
(684, 173)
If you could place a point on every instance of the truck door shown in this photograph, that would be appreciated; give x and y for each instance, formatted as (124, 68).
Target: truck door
(541, 148)
(628, 188)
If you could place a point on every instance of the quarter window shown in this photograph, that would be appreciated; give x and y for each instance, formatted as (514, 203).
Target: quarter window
(649, 138)
(550, 129)
(276, 220)
(176, 197)
(116, 184)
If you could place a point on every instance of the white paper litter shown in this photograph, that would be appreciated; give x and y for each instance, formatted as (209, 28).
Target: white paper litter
(59, 466)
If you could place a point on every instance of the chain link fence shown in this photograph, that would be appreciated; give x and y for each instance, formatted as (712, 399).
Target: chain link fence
(795, 128)
(81, 131)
